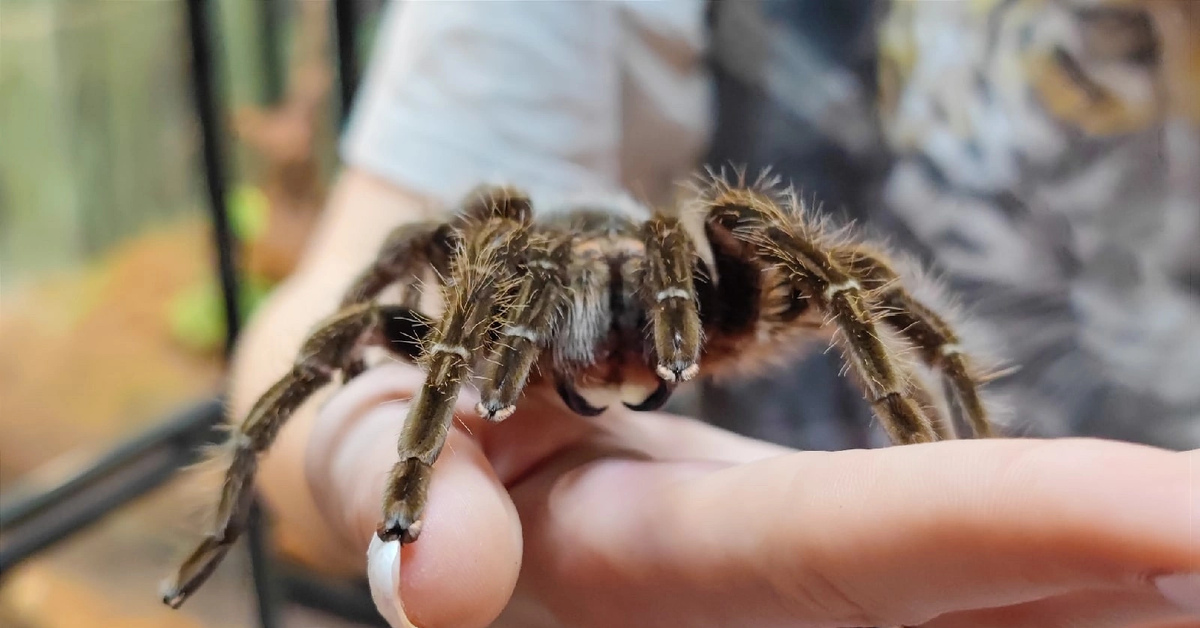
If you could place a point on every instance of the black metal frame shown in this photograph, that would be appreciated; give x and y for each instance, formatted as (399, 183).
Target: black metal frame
(270, 16)
(31, 524)
(124, 473)
(345, 22)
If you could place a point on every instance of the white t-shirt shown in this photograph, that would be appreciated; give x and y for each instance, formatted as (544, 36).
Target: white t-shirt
(563, 99)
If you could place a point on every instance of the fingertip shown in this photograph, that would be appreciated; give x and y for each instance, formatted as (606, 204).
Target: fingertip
(462, 571)
(463, 568)
(383, 573)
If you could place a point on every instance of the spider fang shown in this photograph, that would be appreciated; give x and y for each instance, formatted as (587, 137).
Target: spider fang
(656, 400)
(575, 401)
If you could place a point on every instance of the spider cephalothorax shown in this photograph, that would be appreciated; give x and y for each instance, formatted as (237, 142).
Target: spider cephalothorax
(603, 300)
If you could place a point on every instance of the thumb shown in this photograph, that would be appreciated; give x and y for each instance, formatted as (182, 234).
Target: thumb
(462, 571)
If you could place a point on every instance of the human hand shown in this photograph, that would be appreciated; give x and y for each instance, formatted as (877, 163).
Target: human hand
(653, 520)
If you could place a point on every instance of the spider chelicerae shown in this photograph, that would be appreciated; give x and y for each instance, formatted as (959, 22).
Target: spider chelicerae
(605, 301)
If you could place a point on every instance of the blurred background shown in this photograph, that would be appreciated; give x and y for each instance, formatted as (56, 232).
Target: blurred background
(162, 164)
(112, 319)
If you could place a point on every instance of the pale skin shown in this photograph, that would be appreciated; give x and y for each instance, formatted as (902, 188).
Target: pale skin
(645, 519)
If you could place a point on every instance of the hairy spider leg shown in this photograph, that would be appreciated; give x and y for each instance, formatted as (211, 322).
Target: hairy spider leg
(936, 342)
(528, 323)
(332, 346)
(403, 255)
(669, 296)
(479, 282)
(318, 359)
(401, 260)
(403, 331)
(411, 247)
(799, 249)
(487, 201)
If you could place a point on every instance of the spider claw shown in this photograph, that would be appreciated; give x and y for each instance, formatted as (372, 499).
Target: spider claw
(494, 411)
(408, 491)
(576, 402)
(677, 372)
(656, 399)
(398, 528)
(194, 572)
(666, 374)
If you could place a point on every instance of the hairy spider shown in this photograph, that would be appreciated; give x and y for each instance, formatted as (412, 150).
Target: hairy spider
(603, 299)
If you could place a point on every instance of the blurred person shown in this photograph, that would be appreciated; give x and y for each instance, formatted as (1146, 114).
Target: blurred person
(1050, 168)
(1015, 138)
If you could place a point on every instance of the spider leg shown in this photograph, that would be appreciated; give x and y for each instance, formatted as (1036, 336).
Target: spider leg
(314, 366)
(527, 325)
(669, 296)
(402, 258)
(402, 331)
(332, 347)
(801, 251)
(501, 201)
(478, 282)
(404, 254)
(935, 340)
(411, 247)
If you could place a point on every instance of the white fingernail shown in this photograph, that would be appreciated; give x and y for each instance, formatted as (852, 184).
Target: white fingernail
(1182, 589)
(383, 572)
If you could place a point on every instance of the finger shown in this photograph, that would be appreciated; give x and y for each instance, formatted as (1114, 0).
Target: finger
(464, 567)
(907, 533)
(1183, 623)
(462, 571)
(671, 437)
(885, 537)
(542, 426)
(1094, 609)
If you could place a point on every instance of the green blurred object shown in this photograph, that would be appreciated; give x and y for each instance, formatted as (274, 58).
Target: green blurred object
(195, 315)
(248, 210)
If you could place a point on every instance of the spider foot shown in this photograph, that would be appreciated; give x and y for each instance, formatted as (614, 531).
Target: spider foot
(399, 528)
(494, 411)
(678, 371)
(199, 565)
(408, 490)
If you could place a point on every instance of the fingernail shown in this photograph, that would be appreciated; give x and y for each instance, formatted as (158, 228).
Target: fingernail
(1182, 589)
(383, 572)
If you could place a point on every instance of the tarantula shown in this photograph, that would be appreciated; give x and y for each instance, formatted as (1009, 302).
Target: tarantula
(617, 299)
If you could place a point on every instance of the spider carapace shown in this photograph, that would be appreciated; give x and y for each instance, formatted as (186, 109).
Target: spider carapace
(605, 304)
